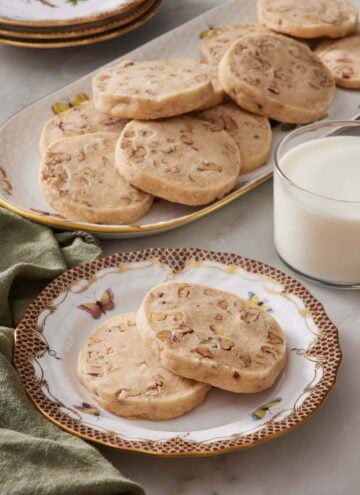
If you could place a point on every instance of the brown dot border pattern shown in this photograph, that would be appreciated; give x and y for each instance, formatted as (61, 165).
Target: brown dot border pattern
(30, 345)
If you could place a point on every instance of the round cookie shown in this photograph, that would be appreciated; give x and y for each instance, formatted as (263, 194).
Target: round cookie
(182, 160)
(212, 336)
(81, 119)
(342, 57)
(251, 133)
(309, 18)
(277, 77)
(79, 180)
(153, 89)
(215, 42)
(125, 377)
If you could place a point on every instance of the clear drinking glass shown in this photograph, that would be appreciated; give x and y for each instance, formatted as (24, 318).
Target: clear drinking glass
(315, 235)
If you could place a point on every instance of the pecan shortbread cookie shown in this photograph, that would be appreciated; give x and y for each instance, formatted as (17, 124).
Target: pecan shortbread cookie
(153, 89)
(215, 42)
(277, 77)
(342, 57)
(81, 119)
(182, 160)
(212, 336)
(79, 180)
(252, 133)
(309, 18)
(125, 377)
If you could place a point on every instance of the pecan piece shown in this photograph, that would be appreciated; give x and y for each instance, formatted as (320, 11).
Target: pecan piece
(165, 336)
(223, 304)
(268, 350)
(158, 316)
(186, 139)
(210, 166)
(226, 344)
(274, 339)
(203, 351)
(217, 329)
(245, 361)
(184, 292)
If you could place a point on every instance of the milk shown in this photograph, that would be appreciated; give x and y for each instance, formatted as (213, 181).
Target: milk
(317, 220)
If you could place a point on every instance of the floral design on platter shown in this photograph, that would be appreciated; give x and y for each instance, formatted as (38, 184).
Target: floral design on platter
(5, 185)
(48, 3)
(74, 3)
(87, 408)
(97, 308)
(61, 106)
(261, 411)
(207, 33)
(262, 304)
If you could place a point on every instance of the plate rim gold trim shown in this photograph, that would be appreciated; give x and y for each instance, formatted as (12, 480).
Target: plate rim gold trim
(241, 261)
(213, 453)
(128, 229)
(75, 20)
(119, 21)
(136, 23)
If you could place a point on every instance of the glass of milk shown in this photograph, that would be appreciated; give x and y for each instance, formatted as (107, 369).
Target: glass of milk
(317, 202)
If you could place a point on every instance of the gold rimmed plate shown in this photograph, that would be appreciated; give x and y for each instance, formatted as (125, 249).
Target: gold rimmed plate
(76, 31)
(19, 185)
(152, 8)
(59, 13)
(54, 330)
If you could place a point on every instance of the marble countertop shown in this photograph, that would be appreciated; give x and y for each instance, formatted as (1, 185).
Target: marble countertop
(322, 456)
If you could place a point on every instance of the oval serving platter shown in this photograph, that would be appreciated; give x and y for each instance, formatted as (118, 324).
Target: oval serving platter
(19, 184)
(54, 330)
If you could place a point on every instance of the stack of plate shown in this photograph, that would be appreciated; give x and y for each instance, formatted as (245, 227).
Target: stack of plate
(62, 23)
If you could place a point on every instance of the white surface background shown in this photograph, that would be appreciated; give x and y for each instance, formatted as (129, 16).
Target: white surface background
(321, 457)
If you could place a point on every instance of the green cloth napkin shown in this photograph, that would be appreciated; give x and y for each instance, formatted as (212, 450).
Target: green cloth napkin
(37, 457)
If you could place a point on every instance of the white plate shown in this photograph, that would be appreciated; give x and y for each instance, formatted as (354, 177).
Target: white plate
(54, 330)
(19, 137)
(60, 12)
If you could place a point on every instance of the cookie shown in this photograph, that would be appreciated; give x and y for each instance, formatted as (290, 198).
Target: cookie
(81, 119)
(182, 160)
(125, 377)
(342, 57)
(153, 89)
(251, 133)
(215, 42)
(309, 18)
(79, 180)
(212, 336)
(219, 93)
(277, 77)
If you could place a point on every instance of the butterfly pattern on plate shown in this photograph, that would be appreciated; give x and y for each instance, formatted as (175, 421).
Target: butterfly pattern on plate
(261, 411)
(87, 409)
(97, 308)
(255, 299)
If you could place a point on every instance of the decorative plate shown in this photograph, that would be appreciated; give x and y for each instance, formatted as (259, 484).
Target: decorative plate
(114, 32)
(19, 185)
(60, 12)
(76, 31)
(54, 329)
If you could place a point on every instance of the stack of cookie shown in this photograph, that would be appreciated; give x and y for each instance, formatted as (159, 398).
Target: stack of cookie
(161, 362)
(183, 130)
